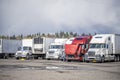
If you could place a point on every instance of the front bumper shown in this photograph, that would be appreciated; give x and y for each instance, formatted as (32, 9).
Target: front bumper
(92, 59)
(52, 56)
(18, 55)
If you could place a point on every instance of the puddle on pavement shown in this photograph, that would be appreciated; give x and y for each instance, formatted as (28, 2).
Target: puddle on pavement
(25, 67)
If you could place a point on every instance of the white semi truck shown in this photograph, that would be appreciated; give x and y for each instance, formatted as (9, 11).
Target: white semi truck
(56, 49)
(39, 47)
(8, 47)
(25, 50)
(104, 47)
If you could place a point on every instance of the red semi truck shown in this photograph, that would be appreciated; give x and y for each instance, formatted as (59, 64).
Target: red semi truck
(75, 48)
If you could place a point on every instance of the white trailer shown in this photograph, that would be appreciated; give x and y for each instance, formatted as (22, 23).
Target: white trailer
(39, 46)
(27, 42)
(56, 49)
(104, 47)
(8, 47)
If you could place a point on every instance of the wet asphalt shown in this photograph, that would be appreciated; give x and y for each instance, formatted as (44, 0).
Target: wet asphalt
(12, 69)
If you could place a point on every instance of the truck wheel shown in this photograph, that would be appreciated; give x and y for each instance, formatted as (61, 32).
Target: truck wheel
(35, 57)
(6, 56)
(87, 61)
(43, 57)
(27, 56)
(118, 58)
(31, 57)
(63, 59)
(115, 58)
(17, 58)
(48, 58)
(68, 60)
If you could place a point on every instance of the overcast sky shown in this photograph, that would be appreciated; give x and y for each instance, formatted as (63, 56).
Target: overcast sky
(50, 16)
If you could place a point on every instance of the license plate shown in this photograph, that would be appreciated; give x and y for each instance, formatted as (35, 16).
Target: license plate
(94, 60)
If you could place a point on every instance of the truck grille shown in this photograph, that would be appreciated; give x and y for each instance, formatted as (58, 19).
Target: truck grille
(91, 53)
(70, 56)
(51, 52)
(38, 50)
(19, 54)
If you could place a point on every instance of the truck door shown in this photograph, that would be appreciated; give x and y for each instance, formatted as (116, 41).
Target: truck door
(106, 50)
(109, 46)
(79, 50)
(109, 49)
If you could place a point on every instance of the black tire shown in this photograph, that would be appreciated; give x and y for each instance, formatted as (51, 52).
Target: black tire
(6, 56)
(119, 58)
(17, 58)
(48, 58)
(35, 57)
(68, 60)
(115, 58)
(87, 61)
(43, 57)
(27, 57)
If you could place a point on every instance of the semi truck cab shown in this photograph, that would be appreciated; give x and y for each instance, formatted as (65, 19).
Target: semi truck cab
(101, 48)
(24, 52)
(56, 49)
(77, 48)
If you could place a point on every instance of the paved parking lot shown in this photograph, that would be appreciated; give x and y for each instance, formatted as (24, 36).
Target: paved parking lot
(11, 69)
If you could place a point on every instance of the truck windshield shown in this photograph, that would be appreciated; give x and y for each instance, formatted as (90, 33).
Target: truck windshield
(97, 46)
(24, 48)
(56, 47)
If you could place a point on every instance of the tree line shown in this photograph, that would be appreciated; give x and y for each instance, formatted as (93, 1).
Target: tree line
(60, 34)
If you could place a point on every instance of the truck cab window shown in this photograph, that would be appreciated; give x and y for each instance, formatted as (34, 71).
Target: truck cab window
(30, 48)
(97, 45)
(56, 47)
